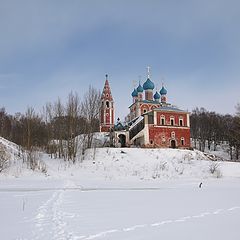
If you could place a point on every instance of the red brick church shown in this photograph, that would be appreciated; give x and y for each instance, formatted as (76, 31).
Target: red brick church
(151, 122)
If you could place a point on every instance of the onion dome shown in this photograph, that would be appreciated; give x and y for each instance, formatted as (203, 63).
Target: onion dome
(134, 93)
(139, 88)
(156, 95)
(163, 91)
(148, 85)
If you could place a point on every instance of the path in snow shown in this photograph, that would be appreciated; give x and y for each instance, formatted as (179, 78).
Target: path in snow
(158, 224)
(62, 217)
(50, 218)
(169, 212)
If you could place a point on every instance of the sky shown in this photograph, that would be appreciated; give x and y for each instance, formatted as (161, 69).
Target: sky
(49, 48)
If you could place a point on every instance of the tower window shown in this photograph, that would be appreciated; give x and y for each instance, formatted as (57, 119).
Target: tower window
(172, 121)
(107, 104)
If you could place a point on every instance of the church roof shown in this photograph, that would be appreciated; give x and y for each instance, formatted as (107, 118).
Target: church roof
(140, 88)
(170, 109)
(145, 101)
(134, 93)
(148, 85)
(163, 91)
(119, 127)
(156, 95)
(106, 93)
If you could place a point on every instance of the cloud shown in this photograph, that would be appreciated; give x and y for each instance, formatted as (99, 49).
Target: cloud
(50, 47)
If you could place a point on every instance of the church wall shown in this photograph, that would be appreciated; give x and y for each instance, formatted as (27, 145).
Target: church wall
(161, 136)
(107, 117)
(148, 107)
(105, 128)
(168, 116)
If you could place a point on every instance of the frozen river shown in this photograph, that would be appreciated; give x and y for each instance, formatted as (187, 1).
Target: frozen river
(169, 210)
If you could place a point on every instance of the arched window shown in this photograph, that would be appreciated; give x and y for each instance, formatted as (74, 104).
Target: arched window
(181, 121)
(172, 121)
(182, 141)
(172, 134)
(162, 120)
(107, 104)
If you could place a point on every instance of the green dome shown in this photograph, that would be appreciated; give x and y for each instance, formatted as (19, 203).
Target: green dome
(156, 95)
(139, 88)
(163, 91)
(134, 93)
(148, 85)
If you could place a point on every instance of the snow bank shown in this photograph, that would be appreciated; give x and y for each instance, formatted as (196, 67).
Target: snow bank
(124, 164)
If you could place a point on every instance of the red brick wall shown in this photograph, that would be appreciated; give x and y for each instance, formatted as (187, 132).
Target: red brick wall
(149, 95)
(112, 116)
(104, 128)
(148, 107)
(107, 116)
(171, 114)
(156, 134)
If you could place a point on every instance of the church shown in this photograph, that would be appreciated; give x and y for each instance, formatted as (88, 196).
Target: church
(152, 122)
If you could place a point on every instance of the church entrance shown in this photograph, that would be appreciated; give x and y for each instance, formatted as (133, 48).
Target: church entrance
(173, 144)
(122, 140)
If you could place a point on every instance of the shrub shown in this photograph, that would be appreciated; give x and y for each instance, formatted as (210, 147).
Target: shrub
(4, 157)
(214, 169)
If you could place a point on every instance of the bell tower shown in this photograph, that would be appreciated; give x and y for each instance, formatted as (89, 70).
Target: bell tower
(106, 108)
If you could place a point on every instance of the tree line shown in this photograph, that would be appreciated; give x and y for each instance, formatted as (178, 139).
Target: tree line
(210, 129)
(56, 128)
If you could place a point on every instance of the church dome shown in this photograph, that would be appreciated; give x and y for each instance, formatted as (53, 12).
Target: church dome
(163, 91)
(134, 93)
(148, 85)
(156, 95)
(139, 88)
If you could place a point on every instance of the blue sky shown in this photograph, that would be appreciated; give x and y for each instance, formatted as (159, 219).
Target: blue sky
(48, 48)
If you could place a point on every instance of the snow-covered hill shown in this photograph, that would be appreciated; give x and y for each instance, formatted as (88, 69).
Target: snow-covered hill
(124, 164)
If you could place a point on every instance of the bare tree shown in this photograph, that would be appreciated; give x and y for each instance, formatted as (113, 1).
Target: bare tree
(48, 117)
(238, 109)
(72, 116)
(4, 157)
(58, 124)
(90, 111)
(29, 116)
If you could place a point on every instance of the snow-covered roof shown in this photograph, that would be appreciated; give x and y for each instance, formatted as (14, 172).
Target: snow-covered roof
(170, 109)
(140, 118)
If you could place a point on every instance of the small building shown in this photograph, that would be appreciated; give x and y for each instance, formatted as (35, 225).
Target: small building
(151, 122)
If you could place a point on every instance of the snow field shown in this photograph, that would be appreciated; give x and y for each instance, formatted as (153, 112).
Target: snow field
(116, 193)
(171, 212)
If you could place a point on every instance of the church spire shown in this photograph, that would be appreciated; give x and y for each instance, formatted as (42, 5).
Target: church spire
(106, 108)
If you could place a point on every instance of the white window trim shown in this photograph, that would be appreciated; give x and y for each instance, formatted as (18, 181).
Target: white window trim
(181, 119)
(172, 118)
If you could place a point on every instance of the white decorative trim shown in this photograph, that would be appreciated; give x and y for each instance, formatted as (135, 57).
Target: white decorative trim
(155, 118)
(188, 120)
